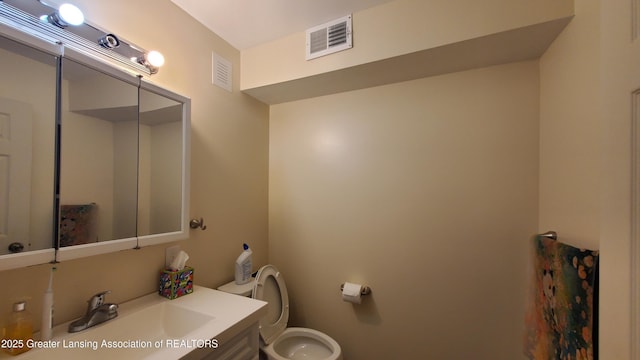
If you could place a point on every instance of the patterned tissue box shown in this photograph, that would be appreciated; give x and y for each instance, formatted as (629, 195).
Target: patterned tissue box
(174, 284)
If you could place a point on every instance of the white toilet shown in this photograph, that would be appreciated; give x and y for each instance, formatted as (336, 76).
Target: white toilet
(278, 341)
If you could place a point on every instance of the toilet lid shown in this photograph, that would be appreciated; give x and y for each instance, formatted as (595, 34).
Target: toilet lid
(269, 286)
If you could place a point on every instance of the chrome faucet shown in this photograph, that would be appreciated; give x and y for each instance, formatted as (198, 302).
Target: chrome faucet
(97, 312)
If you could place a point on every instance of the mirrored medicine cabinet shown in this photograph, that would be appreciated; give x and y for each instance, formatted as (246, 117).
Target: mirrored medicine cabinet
(93, 157)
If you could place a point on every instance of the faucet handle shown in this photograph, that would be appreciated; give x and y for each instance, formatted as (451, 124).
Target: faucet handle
(97, 300)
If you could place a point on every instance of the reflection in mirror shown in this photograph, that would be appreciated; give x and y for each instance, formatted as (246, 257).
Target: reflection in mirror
(27, 147)
(160, 189)
(99, 156)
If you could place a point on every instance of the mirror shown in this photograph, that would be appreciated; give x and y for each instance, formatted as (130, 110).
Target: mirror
(124, 161)
(93, 158)
(27, 148)
(163, 165)
(160, 190)
(99, 156)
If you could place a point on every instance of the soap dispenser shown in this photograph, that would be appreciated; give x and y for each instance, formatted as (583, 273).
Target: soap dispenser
(18, 330)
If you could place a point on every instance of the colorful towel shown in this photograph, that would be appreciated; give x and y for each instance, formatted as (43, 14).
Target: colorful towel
(561, 321)
(78, 224)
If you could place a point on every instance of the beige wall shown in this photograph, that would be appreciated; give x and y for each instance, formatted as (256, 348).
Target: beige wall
(229, 134)
(585, 189)
(427, 191)
(571, 131)
(620, 77)
(397, 28)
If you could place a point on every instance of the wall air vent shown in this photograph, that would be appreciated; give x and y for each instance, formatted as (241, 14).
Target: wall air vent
(222, 72)
(330, 37)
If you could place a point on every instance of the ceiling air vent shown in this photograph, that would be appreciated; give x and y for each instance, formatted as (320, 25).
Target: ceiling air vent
(328, 38)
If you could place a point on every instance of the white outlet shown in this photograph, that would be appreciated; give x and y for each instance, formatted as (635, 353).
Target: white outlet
(170, 253)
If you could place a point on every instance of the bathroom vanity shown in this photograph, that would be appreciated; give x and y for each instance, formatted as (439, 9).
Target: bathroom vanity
(207, 324)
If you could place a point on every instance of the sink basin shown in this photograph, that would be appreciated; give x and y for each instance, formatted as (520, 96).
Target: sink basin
(134, 335)
(153, 327)
(157, 322)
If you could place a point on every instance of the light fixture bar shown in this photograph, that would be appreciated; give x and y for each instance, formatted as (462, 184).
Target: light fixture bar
(20, 20)
(32, 25)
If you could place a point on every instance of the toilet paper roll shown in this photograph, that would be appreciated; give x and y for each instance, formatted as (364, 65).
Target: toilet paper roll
(352, 293)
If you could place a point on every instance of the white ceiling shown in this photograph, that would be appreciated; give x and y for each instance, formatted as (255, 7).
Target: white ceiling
(248, 23)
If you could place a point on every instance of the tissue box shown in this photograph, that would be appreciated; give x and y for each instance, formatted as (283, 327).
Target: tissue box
(174, 284)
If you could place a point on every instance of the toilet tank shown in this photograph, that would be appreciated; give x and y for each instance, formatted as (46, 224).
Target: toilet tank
(242, 290)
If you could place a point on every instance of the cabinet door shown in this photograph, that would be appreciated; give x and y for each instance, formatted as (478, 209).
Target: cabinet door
(244, 346)
(163, 166)
(98, 158)
(27, 149)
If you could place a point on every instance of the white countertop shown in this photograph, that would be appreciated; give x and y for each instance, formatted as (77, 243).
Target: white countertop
(225, 315)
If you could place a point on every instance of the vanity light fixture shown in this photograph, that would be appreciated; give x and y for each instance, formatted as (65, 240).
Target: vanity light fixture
(153, 60)
(70, 29)
(66, 15)
(109, 41)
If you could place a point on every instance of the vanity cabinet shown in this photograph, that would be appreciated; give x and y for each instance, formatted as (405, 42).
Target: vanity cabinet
(244, 346)
(172, 329)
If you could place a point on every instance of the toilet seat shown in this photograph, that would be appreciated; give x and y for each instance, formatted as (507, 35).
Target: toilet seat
(270, 287)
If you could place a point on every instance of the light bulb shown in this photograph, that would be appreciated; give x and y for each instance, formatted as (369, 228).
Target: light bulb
(155, 58)
(70, 14)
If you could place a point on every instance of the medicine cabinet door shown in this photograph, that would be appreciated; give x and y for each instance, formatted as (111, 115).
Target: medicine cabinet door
(163, 165)
(99, 159)
(27, 150)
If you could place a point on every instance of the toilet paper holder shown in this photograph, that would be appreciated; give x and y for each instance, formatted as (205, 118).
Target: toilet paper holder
(365, 290)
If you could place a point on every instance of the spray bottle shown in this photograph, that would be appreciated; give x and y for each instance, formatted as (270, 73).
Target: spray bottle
(244, 266)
